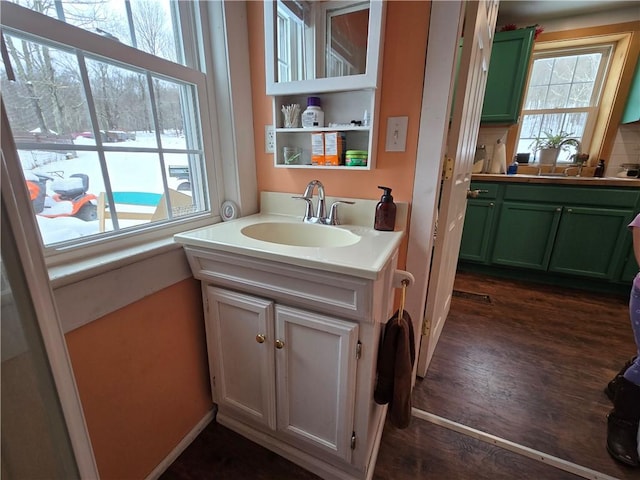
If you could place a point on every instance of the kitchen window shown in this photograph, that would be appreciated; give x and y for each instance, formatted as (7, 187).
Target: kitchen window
(563, 95)
(108, 110)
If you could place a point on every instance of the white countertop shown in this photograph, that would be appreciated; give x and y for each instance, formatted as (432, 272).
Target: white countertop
(364, 259)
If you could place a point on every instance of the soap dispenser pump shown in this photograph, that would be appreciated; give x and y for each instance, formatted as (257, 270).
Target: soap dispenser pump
(385, 212)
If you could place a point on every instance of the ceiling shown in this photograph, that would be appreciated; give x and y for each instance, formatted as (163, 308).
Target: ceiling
(524, 12)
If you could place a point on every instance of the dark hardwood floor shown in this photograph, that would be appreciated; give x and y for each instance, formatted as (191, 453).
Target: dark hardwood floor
(529, 367)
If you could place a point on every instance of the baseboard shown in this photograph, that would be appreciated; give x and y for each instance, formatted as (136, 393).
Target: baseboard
(181, 447)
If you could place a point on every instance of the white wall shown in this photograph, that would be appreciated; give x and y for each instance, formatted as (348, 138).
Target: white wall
(626, 148)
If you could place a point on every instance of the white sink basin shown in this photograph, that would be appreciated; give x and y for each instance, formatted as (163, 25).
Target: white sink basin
(300, 234)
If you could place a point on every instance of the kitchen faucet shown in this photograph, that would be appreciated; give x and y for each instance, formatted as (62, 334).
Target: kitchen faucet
(575, 142)
(321, 211)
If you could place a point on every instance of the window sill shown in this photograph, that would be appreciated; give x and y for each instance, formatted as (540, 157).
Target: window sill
(76, 271)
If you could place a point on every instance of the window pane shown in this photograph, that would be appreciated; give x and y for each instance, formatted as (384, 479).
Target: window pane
(541, 71)
(148, 25)
(580, 94)
(563, 69)
(587, 67)
(46, 103)
(63, 193)
(557, 96)
(536, 97)
(122, 102)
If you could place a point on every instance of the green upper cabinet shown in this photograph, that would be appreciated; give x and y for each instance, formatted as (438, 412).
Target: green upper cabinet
(507, 75)
(632, 109)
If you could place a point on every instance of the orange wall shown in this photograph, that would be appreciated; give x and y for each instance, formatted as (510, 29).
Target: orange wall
(143, 379)
(404, 55)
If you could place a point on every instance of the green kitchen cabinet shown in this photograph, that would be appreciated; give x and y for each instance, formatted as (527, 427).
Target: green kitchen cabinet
(508, 67)
(589, 241)
(478, 224)
(525, 235)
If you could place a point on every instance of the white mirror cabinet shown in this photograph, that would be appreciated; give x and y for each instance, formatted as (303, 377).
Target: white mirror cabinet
(307, 54)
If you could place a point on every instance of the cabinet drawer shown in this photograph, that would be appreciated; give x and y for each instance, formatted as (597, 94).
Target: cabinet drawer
(601, 197)
(348, 297)
(491, 190)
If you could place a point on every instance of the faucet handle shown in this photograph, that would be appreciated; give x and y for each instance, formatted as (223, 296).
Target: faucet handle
(333, 213)
(309, 208)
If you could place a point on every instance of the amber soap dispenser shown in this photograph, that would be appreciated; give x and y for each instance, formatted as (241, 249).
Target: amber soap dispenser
(385, 212)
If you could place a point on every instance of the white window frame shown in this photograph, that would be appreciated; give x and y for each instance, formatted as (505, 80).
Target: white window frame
(607, 50)
(33, 24)
(293, 42)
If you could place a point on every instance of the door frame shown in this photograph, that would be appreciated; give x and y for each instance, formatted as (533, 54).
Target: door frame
(439, 80)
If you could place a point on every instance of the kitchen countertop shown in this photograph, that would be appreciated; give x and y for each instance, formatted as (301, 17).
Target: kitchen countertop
(557, 180)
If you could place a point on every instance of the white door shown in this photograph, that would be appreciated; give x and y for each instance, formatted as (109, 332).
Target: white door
(458, 143)
(316, 378)
(240, 345)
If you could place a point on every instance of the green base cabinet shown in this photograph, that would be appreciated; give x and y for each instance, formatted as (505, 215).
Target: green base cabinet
(562, 235)
(589, 241)
(508, 69)
(525, 234)
(478, 224)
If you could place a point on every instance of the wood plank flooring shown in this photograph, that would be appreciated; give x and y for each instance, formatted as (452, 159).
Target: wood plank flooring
(530, 367)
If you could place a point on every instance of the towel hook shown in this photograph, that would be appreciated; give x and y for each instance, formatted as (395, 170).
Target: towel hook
(405, 283)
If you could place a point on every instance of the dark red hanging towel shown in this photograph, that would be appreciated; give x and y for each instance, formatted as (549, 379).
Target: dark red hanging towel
(395, 366)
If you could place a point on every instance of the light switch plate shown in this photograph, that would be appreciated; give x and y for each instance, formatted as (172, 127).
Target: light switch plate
(396, 134)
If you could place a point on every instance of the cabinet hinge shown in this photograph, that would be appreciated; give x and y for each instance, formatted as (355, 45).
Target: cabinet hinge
(353, 440)
(358, 350)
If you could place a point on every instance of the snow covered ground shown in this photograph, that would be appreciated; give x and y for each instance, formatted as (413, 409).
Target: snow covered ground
(128, 171)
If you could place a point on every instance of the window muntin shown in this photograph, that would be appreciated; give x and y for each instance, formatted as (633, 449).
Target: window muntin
(563, 94)
(122, 125)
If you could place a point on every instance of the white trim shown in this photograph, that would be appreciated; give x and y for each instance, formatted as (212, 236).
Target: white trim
(25, 231)
(234, 105)
(542, 457)
(92, 298)
(434, 125)
(182, 446)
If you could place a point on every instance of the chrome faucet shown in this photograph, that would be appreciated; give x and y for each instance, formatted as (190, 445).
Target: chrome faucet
(321, 211)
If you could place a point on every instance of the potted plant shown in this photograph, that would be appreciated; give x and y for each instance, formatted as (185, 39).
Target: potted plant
(549, 145)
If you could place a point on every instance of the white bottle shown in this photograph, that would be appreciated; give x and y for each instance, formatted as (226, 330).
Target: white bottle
(499, 160)
(313, 116)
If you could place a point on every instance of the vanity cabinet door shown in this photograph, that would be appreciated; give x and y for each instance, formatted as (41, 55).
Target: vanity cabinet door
(316, 377)
(240, 341)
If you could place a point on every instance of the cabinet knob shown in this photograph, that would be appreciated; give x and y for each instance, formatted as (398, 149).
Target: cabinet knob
(491, 204)
(260, 338)
(569, 210)
(279, 344)
(559, 209)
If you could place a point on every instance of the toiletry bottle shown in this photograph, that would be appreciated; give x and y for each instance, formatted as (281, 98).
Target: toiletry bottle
(513, 168)
(385, 212)
(599, 172)
(313, 116)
